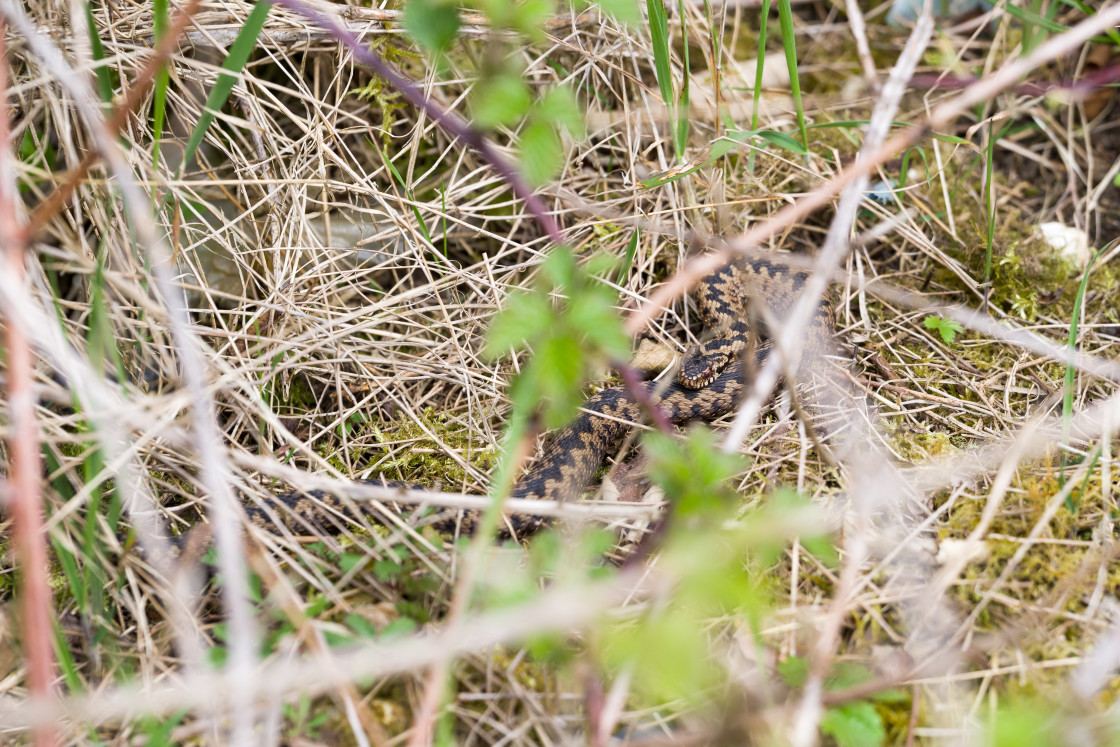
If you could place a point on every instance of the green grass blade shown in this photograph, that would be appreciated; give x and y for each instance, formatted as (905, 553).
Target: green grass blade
(97, 51)
(1113, 34)
(659, 35)
(785, 21)
(163, 79)
(234, 63)
(1071, 346)
(681, 130)
(989, 207)
(848, 124)
(760, 61)
(628, 261)
(407, 192)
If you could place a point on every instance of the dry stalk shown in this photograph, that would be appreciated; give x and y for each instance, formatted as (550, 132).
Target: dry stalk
(24, 497)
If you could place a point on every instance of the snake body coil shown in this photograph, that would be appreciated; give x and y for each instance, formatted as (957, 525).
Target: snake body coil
(709, 385)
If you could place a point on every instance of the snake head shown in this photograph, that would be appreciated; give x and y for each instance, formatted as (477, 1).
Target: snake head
(697, 372)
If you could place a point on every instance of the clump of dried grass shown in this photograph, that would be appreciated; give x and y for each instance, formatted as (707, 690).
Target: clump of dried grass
(339, 341)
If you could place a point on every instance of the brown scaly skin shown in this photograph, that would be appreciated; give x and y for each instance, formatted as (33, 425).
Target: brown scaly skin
(709, 385)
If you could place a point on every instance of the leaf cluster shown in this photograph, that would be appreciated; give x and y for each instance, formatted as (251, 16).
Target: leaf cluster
(571, 335)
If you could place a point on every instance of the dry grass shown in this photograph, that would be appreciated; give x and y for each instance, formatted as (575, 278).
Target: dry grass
(333, 338)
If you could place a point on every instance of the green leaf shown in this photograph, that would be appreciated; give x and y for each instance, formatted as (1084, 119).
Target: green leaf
(542, 153)
(398, 628)
(525, 316)
(528, 17)
(782, 140)
(499, 100)
(348, 561)
(1024, 723)
(386, 570)
(360, 625)
(559, 371)
(947, 328)
(623, 10)
(592, 313)
(558, 106)
(794, 671)
(683, 667)
(434, 24)
(234, 63)
(693, 473)
(847, 674)
(854, 725)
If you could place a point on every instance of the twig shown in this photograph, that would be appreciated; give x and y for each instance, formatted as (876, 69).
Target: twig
(446, 119)
(809, 711)
(25, 499)
(554, 611)
(116, 121)
(213, 468)
(941, 117)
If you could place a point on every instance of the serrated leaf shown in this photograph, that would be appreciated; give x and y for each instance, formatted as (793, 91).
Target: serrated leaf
(528, 17)
(432, 23)
(397, 628)
(624, 10)
(542, 153)
(854, 725)
(386, 570)
(348, 561)
(592, 313)
(683, 667)
(794, 671)
(559, 107)
(499, 100)
(693, 473)
(559, 367)
(559, 269)
(525, 318)
(360, 625)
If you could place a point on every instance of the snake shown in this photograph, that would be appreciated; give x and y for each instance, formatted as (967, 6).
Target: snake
(710, 383)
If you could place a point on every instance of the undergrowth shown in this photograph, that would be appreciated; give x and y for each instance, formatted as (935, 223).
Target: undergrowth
(884, 558)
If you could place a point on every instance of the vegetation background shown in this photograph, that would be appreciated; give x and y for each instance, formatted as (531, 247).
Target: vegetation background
(253, 247)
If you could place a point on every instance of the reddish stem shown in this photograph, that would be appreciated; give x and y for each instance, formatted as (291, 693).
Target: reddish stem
(447, 120)
(24, 471)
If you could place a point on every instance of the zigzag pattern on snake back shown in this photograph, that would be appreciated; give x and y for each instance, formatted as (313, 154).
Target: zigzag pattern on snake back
(708, 386)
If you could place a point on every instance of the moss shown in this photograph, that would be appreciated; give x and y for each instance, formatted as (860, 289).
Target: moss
(424, 456)
(917, 446)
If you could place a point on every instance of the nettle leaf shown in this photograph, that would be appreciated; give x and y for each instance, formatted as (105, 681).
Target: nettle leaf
(434, 24)
(502, 99)
(624, 10)
(558, 106)
(794, 671)
(570, 335)
(599, 322)
(559, 269)
(559, 367)
(542, 153)
(525, 317)
(683, 667)
(528, 17)
(854, 725)
(694, 472)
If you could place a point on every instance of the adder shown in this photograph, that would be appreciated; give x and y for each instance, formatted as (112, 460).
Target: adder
(709, 384)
